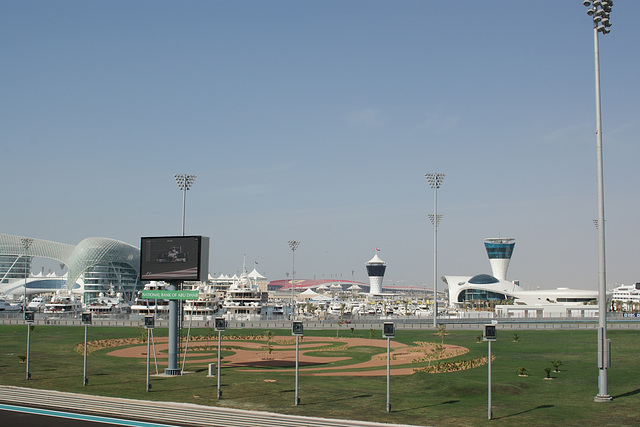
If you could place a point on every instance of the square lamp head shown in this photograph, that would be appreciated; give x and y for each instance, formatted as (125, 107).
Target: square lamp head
(388, 330)
(220, 324)
(149, 322)
(490, 333)
(86, 318)
(29, 316)
(297, 328)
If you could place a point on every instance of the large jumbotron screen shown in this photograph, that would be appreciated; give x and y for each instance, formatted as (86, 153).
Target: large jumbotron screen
(174, 258)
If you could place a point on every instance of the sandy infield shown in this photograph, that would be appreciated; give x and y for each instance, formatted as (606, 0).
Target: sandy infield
(254, 355)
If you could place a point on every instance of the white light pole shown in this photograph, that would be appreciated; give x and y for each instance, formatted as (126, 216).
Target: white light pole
(184, 183)
(148, 358)
(26, 243)
(219, 360)
(435, 181)
(600, 11)
(293, 244)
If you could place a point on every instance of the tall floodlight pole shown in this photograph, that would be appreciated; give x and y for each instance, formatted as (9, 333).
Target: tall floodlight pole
(435, 181)
(293, 244)
(26, 243)
(600, 11)
(184, 183)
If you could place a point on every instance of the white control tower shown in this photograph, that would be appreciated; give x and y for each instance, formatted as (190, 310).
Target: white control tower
(375, 270)
(499, 251)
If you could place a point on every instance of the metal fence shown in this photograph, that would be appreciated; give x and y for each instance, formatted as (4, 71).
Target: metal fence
(371, 322)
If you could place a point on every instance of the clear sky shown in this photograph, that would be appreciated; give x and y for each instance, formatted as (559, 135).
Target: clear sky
(316, 121)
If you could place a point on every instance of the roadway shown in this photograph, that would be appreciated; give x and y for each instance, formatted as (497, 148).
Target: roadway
(65, 407)
(12, 415)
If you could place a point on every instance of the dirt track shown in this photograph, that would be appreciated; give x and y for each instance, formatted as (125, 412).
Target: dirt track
(255, 355)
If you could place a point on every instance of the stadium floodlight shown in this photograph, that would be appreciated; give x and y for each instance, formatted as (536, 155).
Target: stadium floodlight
(293, 244)
(26, 244)
(184, 182)
(435, 181)
(599, 10)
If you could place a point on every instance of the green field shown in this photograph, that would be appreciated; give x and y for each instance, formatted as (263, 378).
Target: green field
(446, 399)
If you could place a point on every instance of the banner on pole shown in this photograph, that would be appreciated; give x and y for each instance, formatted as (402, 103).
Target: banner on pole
(167, 294)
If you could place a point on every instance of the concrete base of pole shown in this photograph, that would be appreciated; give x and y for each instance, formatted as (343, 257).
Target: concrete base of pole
(606, 398)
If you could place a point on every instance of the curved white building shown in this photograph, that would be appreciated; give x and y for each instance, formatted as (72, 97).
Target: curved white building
(496, 288)
(375, 270)
(95, 265)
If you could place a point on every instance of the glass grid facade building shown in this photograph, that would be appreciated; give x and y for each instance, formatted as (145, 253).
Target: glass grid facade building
(98, 263)
(13, 267)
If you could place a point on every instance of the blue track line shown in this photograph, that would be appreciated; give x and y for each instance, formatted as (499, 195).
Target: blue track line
(82, 417)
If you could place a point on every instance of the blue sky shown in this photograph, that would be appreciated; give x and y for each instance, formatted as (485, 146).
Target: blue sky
(316, 121)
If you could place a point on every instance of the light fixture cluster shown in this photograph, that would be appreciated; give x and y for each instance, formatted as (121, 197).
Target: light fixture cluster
(293, 244)
(435, 219)
(185, 181)
(435, 179)
(600, 11)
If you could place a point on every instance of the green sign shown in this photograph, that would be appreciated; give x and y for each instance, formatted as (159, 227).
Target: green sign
(156, 294)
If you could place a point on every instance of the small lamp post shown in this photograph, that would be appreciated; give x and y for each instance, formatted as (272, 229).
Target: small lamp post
(388, 332)
(297, 329)
(490, 334)
(149, 324)
(220, 325)
(29, 317)
(86, 321)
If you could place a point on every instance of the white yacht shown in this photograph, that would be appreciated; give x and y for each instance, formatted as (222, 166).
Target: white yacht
(243, 300)
(112, 304)
(5, 306)
(146, 306)
(207, 304)
(63, 302)
(336, 308)
(278, 309)
(37, 303)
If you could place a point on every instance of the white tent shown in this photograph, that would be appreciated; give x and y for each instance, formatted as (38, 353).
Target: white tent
(254, 275)
(309, 293)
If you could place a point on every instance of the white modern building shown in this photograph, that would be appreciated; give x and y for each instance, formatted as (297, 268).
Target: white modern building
(95, 265)
(496, 288)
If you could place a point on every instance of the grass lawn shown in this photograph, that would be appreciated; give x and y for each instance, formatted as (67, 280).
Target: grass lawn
(445, 399)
